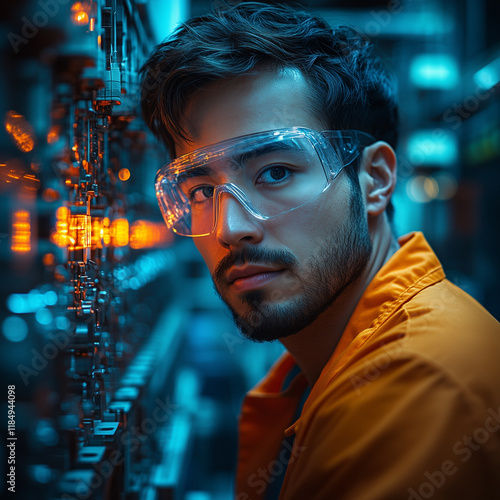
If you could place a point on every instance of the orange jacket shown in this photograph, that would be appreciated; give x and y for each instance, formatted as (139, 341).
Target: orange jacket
(408, 406)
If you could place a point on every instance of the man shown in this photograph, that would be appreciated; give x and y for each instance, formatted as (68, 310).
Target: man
(282, 133)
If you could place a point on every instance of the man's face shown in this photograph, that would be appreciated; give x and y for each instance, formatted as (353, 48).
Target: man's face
(276, 276)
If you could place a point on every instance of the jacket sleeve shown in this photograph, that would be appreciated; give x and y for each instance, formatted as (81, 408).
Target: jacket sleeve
(396, 430)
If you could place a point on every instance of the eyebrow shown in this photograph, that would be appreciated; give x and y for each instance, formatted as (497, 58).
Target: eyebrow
(195, 172)
(239, 161)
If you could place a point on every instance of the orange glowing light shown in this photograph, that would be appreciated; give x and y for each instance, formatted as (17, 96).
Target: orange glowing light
(106, 231)
(79, 233)
(21, 232)
(81, 18)
(96, 237)
(92, 24)
(124, 174)
(60, 236)
(50, 194)
(30, 182)
(53, 135)
(12, 172)
(79, 13)
(146, 234)
(62, 213)
(48, 259)
(119, 232)
(20, 130)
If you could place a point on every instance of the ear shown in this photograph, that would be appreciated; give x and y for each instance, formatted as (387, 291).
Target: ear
(377, 177)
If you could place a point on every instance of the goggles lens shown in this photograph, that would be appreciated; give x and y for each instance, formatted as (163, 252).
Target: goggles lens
(269, 173)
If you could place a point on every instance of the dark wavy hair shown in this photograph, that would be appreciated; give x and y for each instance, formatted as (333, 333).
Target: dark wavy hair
(350, 86)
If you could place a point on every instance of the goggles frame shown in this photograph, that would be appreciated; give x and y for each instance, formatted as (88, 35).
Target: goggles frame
(329, 145)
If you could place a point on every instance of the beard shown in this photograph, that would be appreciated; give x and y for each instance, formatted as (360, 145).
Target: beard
(335, 263)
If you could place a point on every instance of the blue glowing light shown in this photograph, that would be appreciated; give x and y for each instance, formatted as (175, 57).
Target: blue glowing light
(15, 328)
(50, 298)
(43, 316)
(432, 147)
(488, 76)
(437, 71)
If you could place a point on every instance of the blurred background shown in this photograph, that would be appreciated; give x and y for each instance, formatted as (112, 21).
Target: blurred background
(128, 373)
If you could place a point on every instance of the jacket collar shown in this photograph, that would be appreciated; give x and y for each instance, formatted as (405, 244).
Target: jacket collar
(411, 269)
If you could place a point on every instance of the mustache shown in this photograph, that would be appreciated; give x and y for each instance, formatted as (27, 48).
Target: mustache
(253, 255)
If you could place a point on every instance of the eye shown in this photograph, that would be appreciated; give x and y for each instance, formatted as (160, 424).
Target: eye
(274, 175)
(201, 194)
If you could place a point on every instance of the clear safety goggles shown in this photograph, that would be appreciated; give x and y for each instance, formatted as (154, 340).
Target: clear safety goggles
(269, 173)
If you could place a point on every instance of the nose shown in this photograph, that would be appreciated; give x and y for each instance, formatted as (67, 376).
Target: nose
(235, 226)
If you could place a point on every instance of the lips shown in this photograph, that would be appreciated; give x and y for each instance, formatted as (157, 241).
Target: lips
(251, 276)
(248, 271)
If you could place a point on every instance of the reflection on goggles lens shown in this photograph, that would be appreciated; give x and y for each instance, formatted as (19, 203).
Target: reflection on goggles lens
(268, 173)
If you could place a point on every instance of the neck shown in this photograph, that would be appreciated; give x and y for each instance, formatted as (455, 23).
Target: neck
(313, 346)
